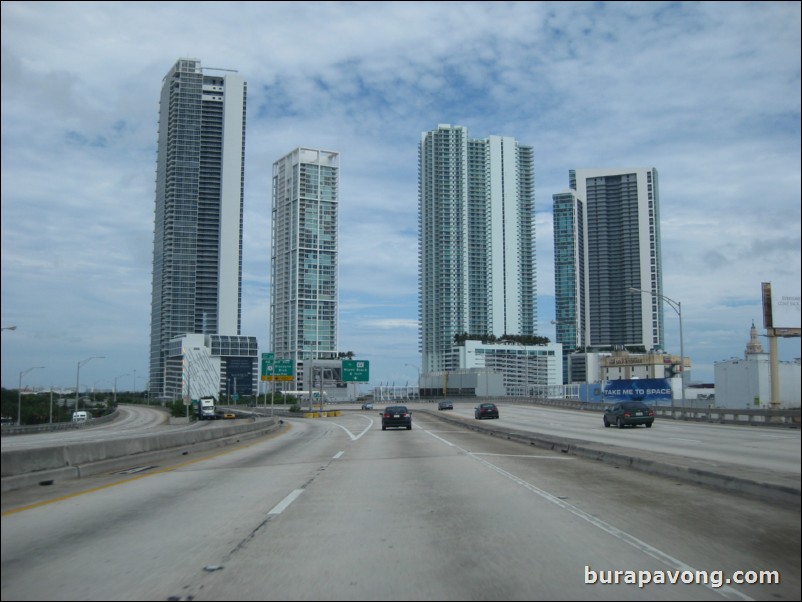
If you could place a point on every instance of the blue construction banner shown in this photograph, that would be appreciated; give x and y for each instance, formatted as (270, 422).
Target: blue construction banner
(652, 391)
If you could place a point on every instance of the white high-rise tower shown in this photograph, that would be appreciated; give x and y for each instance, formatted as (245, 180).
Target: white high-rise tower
(304, 257)
(476, 241)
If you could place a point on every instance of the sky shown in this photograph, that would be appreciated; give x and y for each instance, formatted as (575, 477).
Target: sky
(707, 93)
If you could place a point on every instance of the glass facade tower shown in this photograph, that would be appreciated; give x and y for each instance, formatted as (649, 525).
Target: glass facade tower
(607, 241)
(197, 251)
(569, 268)
(304, 256)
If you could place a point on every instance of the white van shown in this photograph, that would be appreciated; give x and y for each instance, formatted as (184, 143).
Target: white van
(80, 416)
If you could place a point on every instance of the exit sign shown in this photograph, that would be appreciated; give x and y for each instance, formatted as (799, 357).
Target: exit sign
(355, 371)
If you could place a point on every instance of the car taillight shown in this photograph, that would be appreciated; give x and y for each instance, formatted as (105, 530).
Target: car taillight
(627, 414)
(651, 412)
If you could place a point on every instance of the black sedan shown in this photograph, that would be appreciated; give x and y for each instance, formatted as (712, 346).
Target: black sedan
(629, 413)
(396, 416)
(485, 410)
(445, 405)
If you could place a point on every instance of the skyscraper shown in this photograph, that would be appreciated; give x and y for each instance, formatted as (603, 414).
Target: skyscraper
(568, 216)
(304, 256)
(476, 241)
(197, 250)
(606, 242)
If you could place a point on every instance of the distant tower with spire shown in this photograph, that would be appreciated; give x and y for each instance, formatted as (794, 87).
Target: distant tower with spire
(753, 347)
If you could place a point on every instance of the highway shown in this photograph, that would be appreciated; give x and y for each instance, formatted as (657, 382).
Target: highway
(767, 448)
(337, 509)
(132, 420)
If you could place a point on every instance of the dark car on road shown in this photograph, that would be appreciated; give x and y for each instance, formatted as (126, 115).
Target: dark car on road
(485, 410)
(396, 416)
(629, 413)
(445, 405)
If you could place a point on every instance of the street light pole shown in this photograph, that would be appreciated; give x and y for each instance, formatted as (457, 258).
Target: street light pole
(94, 387)
(115, 386)
(19, 392)
(78, 376)
(677, 307)
(418, 369)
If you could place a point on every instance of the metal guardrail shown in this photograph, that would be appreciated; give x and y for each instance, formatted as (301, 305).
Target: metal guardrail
(732, 416)
(56, 426)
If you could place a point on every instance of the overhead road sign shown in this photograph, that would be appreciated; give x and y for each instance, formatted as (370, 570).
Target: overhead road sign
(355, 371)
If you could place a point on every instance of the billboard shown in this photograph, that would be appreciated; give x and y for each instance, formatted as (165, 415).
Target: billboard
(239, 375)
(652, 391)
(781, 308)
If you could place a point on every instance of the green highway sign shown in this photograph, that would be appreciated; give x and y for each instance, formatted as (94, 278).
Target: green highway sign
(281, 370)
(267, 366)
(355, 371)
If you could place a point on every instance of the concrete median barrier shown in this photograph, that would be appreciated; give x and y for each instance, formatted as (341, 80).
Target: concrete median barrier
(24, 467)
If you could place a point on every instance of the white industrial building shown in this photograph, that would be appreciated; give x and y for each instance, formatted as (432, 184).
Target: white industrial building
(201, 365)
(521, 370)
(746, 383)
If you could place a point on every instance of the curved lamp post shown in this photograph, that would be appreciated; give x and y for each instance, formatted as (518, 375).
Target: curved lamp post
(94, 387)
(418, 369)
(115, 386)
(78, 376)
(19, 392)
(677, 307)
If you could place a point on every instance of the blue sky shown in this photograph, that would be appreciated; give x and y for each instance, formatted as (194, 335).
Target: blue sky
(707, 93)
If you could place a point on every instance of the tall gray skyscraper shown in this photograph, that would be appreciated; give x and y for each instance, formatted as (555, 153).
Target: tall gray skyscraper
(606, 242)
(476, 241)
(197, 251)
(304, 256)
